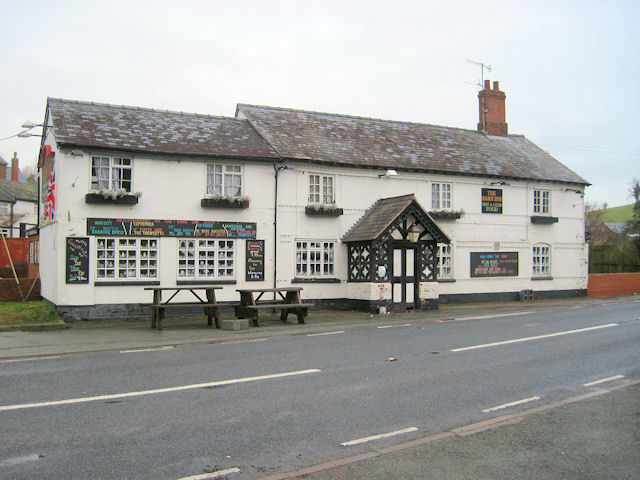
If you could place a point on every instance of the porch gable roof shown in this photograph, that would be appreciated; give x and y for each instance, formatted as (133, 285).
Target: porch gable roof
(382, 215)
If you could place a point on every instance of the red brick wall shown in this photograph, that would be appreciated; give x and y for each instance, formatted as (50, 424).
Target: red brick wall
(612, 284)
(9, 289)
(19, 248)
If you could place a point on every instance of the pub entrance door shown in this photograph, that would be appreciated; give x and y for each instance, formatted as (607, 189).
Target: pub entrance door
(405, 286)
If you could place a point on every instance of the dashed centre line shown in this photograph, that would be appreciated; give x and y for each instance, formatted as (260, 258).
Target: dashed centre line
(537, 337)
(30, 359)
(394, 326)
(155, 391)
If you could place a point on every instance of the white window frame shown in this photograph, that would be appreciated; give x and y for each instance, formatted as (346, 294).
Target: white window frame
(114, 167)
(207, 258)
(221, 179)
(138, 257)
(315, 258)
(541, 201)
(445, 261)
(322, 189)
(541, 260)
(5, 230)
(441, 195)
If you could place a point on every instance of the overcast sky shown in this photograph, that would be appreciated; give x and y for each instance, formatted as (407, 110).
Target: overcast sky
(571, 70)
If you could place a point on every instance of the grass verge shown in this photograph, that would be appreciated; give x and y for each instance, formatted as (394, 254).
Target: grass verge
(28, 313)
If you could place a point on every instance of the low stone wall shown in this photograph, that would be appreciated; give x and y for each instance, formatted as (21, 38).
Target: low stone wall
(9, 291)
(613, 284)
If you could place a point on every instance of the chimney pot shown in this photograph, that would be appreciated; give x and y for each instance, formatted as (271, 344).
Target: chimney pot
(496, 86)
(487, 84)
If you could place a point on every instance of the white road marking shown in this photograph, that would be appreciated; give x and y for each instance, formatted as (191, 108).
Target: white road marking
(602, 380)
(378, 437)
(154, 349)
(30, 359)
(235, 342)
(510, 404)
(207, 476)
(497, 315)
(10, 462)
(326, 333)
(155, 391)
(393, 326)
(537, 337)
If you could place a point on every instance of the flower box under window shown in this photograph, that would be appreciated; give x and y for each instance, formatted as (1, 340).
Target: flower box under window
(446, 214)
(225, 202)
(115, 198)
(323, 210)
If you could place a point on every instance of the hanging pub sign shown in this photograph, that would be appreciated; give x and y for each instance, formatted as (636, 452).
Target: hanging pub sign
(491, 200)
(255, 261)
(494, 264)
(126, 227)
(77, 264)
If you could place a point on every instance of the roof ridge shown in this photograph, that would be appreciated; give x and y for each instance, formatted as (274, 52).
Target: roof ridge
(355, 117)
(143, 109)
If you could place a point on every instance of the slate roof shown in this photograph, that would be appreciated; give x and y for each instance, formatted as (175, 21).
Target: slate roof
(382, 144)
(132, 129)
(20, 191)
(383, 213)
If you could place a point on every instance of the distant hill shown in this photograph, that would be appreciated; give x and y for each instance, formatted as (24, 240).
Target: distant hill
(618, 214)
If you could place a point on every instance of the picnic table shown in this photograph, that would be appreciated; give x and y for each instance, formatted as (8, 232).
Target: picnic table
(209, 303)
(286, 299)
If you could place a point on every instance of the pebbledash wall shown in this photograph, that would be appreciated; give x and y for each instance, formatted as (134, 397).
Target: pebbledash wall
(173, 189)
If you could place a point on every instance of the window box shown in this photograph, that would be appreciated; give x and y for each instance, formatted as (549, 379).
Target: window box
(225, 202)
(104, 197)
(446, 214)
(323, 210)
(543, 219)
(315, 280)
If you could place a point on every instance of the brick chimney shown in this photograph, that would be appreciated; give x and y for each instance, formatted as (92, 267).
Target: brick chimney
(3, 169)
(14, 168)
(492, 112)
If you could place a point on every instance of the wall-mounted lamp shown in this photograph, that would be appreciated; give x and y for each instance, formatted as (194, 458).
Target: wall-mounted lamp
(284, 167)
(499, 183)
(77, 153)
(388, 173)
(573, 190)
(414, 234)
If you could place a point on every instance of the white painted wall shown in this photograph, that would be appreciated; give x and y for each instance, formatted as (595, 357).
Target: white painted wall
(172, 189)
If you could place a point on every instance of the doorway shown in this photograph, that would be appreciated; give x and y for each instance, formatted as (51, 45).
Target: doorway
(404, 286)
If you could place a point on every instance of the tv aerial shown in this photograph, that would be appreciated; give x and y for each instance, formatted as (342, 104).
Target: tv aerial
(483, 67)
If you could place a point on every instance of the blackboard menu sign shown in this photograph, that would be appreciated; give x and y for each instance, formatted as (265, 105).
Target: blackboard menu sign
(77, 269)
(491, 200)
(126, 227)
(494, 264)
(255, 260)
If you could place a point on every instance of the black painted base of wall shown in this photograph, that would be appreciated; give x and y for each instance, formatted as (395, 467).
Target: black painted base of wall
(509, 296)
(136, 311)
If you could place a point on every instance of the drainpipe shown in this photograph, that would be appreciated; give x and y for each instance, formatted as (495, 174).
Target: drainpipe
(276, 168)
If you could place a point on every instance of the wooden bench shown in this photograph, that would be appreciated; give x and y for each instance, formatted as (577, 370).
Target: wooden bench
(289, 302)
(251, 311)
(209, 305)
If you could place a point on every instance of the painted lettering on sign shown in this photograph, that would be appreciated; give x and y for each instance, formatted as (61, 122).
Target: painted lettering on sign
(77, 260)
(491, 200)
(255, 260)
(494, 264)
(134, 227)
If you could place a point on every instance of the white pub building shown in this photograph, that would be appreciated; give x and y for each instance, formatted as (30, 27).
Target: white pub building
(360, 212)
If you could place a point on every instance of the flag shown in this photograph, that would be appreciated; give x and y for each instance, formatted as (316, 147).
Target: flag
(50, 200)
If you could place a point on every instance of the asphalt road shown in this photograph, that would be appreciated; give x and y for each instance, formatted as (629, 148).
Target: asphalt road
(265, 406)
